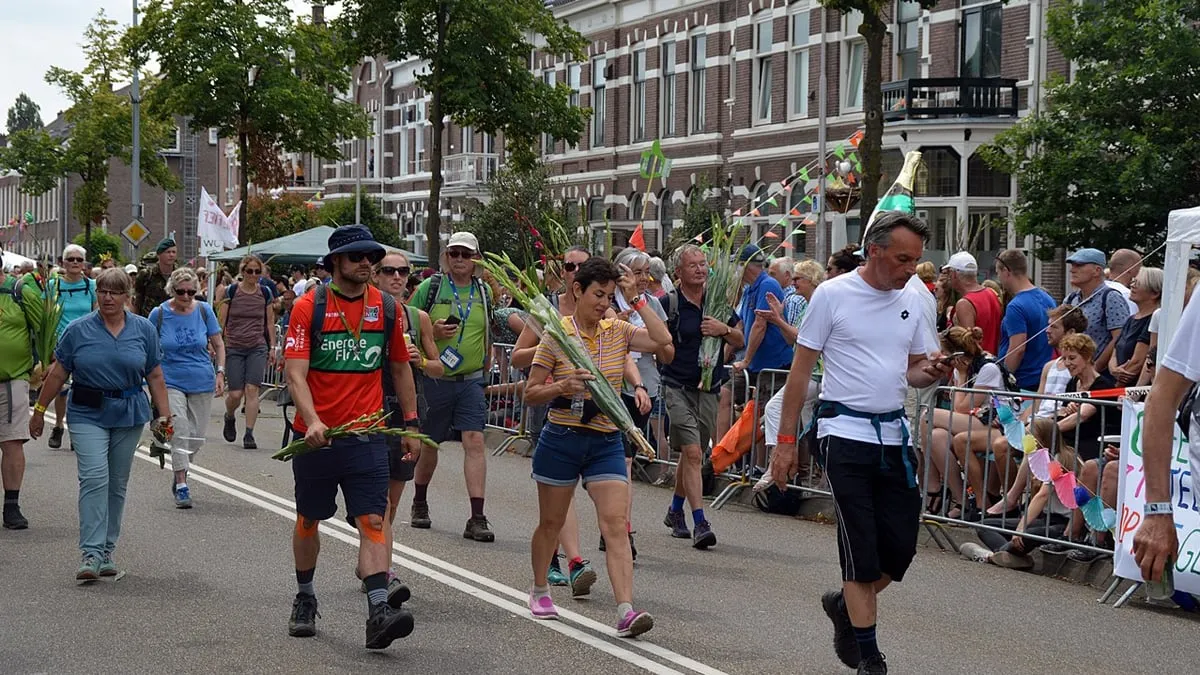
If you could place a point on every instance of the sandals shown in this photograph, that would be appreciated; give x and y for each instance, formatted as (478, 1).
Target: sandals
(934, 501)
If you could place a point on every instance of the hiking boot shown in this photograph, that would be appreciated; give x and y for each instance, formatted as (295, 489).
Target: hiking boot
(478, 529)
(703, 537)
(420, 516)
(248, 441)
(398, 593)
(582, 578)
(674, 520)
(229, 431)
(1086, 556)
(13, 519)
(304, 616)
(107, 567)
(542, 607)
(55, 440)
(555, 576)
(387, 624)
(183, 497)
(634, 624)
(844, 643)
(89, 570)
(874, 665)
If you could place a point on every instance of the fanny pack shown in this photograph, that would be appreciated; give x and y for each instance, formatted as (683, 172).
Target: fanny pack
(89, 397)
(590, 409)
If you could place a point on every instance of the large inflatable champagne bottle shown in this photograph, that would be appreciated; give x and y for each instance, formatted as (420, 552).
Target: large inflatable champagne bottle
(900, 196)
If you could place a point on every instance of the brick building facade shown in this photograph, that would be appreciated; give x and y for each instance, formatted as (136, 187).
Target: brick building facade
(730, 89)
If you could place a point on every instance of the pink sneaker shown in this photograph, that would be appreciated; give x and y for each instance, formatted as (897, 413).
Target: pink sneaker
(542, 607)
(634, 624)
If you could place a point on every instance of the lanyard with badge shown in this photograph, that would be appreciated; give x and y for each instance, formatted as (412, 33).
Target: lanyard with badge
(356, 337)
(577, 399)
(450, 356)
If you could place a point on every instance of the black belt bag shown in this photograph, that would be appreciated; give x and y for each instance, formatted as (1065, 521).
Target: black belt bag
(94, 398)
(590, 409)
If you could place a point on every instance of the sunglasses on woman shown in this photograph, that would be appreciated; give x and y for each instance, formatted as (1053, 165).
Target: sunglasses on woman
(570, 267)
(388, 270)
(185, 291)
(252, 271)
(73, 260)
(455, 253)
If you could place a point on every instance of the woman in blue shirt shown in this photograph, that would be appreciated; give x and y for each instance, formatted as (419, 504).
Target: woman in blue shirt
(76, 294)
(111, 353)
(186, 329)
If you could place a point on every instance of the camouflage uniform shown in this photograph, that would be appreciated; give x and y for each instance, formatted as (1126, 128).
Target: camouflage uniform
(150, 289)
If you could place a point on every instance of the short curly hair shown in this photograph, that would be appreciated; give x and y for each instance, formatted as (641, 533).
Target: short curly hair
(1080, 344)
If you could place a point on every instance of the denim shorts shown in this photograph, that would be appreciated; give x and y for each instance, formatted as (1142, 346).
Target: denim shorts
(565, 454)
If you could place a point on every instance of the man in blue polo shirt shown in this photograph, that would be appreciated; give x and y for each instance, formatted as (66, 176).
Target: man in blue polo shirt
(766, 346)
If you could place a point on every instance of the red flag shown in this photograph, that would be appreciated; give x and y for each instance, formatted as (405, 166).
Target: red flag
(856, 138)
(638, 239)
(770, 235)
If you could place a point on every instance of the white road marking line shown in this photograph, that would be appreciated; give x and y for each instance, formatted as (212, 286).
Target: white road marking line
(520, 596)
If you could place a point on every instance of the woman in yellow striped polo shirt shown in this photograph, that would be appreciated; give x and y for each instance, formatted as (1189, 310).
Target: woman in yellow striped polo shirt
(580, 442)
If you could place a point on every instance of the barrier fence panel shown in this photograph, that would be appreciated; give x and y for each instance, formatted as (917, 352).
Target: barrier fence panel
(505, 395)
(981, 467)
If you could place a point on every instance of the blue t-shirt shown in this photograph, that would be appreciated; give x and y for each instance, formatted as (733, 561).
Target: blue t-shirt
(774, 351)
(184, 339)
(97, 360)
(75, 297)
(1026, 313)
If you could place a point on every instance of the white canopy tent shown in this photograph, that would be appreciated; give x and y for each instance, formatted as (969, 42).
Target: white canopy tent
(1183, 232)
(13, 260)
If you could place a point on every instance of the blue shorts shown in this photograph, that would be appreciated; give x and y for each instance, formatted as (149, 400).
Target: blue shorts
(565, 454)
(450, 407)
(358, 465)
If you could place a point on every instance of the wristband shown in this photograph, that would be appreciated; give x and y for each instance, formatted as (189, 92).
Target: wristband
(785, 438)
(1158, 509)
(642, 387)
(410, 417)
(638, 304)
(39, 408)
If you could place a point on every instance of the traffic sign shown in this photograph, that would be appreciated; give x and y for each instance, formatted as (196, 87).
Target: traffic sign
(135, 233)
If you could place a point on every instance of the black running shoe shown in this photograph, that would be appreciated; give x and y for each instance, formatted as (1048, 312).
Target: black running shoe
(13, 520)
(229, 431)
(55, 440)
(386, 624)
(844, 643)
(875, 665)
(304, 616)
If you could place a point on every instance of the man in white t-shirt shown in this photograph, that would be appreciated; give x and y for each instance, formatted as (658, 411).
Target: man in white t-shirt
(1156, 542)
(872, 333)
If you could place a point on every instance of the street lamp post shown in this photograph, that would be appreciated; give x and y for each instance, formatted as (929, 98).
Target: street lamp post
(135, 98)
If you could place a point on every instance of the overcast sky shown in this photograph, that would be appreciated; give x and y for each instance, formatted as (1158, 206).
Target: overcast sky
(39, 34)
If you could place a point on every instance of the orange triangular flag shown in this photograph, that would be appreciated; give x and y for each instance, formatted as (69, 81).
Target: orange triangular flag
(771, 235)
(737, 213)
(785, 244)
(754, 213)
(638, 239)
(794, 212)
(856, 138)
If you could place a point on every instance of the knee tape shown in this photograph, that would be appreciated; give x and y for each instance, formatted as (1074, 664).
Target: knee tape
(371, 527)
(306, 528)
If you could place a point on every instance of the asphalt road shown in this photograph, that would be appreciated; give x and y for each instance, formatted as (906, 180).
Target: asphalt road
(209, 590)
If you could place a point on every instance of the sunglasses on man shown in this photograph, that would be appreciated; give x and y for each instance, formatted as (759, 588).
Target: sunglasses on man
(459, 253)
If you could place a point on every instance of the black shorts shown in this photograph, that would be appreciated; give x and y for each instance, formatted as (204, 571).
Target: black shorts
(398, 469)
(639, 420)
(358, 465)
(878, 513)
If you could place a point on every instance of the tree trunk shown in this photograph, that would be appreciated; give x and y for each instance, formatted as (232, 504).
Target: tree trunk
(870, 150)
(433, 224)
(243, 168)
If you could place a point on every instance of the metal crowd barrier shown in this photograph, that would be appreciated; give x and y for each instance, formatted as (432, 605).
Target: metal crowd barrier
(505, 395)
(1003, 470)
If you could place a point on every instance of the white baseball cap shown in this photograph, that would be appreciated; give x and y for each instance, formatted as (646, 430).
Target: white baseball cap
(131, 269)
(465, 240)
(962, 262)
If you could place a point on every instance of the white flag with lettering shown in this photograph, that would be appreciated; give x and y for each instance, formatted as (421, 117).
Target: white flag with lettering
(217, 231)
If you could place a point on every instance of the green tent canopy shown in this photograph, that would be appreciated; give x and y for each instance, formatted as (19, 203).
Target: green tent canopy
(300, 248)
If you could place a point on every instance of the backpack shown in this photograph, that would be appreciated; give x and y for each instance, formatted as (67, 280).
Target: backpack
(15, 292)
(159, 321)
(435, 286)
(320, 295)
(1007, 378)
(671, 307)
(90, 289)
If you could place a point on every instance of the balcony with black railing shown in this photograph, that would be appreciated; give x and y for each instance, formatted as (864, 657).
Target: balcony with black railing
(949, 97)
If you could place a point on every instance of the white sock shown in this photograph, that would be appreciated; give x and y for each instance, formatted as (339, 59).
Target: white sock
(623, 609)
(539, 591)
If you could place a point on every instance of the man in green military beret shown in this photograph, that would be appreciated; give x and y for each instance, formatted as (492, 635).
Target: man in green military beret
(150, 286)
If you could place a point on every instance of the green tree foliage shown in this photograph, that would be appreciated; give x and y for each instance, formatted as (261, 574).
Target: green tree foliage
(24, 114)
(1117, 148)
(101, 243)
(876, 18)
(252, 71)
(100, 128)
(335, 212)
(478, 73)
(271, 217)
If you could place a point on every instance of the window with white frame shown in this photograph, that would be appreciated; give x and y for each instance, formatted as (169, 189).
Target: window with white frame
(763, 42)
(639, 95)
(981, 31)
(549, 78)
(798, 64)
(468, 139)
(908, 64)
(574, 71)
(667, 56)
(213, 136)
(599, 100)
(698, 87)
(854, 52)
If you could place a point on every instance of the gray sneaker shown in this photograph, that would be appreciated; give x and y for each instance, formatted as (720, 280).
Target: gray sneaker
(89, 570)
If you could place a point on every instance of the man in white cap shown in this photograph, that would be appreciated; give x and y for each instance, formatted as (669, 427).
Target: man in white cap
(978, 307)
(458, 304)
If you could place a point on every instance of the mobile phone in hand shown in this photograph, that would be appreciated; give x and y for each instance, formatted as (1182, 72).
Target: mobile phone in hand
(453, 320)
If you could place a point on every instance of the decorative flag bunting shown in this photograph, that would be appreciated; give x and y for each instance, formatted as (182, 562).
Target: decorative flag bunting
(840, 152)
(858, 167)
(856, 138)
(794, 212)
(782, 222)
(770, 235)
(638, 238)
(754, 213)
(785, 244)
(772, 202)
(804, 174)
(737, 213)
(808, 199)
(853, 157)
